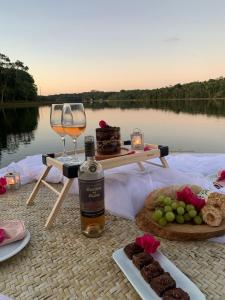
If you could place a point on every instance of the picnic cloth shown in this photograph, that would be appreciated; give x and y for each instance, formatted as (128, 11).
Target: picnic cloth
(127, 187)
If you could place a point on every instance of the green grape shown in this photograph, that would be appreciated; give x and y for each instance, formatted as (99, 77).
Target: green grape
(187, 217)
(190, 207)
(162, 221)
(170, 216)
(161, 198)
(167, 201)
(192, 213)
(167, 208)
(180, 219)
(157, 214)
(180, 210)
(198, 220)
(174, 205)
(181, 204)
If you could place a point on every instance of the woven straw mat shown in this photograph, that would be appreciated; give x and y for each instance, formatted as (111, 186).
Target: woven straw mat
(61, 263)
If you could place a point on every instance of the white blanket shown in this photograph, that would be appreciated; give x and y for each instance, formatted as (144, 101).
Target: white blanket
(127, 187)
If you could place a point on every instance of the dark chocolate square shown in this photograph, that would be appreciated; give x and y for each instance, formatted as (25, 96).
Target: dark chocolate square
(132, 249)
(162, 283)
(151, 271)
(176, 294)
(142, 259)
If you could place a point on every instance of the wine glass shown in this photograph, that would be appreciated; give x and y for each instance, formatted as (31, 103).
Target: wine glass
(56, 124)
(74, 123)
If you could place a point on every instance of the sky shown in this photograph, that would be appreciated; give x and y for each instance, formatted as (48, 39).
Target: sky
(72, 46)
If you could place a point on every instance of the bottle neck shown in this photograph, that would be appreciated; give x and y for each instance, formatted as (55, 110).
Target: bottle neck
(89, 150)
(90, 158)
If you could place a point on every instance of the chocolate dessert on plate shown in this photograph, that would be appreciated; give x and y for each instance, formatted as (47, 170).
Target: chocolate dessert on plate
(132, 249)
(108, 139)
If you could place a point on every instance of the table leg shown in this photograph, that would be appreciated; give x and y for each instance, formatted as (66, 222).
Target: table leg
(37, 186)
(164, 162)
(141, 166)
(58, 203)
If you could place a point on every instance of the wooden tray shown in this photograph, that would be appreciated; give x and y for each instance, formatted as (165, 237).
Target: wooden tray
(177, 232)
(123, 151)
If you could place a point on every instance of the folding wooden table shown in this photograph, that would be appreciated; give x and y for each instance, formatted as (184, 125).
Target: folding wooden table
(71, 172)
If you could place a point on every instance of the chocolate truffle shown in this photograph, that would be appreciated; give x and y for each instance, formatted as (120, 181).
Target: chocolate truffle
(151, 271)
(132, 249)
(142, 259)
(162, 283)
(176, 294)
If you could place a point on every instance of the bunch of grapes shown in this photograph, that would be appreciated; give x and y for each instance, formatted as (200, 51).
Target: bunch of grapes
(168, 210)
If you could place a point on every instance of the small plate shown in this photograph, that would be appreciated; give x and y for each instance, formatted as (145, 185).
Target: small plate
(10, 250)
(143, 288)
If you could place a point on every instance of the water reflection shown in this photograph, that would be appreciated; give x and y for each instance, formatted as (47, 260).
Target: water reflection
(183, 125)
(17, 126)
(212, 107)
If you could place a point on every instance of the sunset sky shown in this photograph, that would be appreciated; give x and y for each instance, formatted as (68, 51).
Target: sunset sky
(75, 46)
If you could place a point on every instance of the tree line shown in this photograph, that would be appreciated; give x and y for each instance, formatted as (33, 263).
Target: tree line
(213, 88)
(16, 84)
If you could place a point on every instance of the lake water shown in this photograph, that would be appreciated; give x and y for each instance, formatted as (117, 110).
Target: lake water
(197, 125)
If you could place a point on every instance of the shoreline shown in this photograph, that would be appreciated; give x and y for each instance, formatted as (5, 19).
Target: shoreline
(47, 102)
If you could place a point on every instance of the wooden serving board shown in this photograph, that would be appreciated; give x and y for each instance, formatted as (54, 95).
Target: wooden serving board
(123, 151)
(177, 232)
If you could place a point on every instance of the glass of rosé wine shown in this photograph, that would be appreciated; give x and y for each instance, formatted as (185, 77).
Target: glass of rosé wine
(74, 124)
(56, 124)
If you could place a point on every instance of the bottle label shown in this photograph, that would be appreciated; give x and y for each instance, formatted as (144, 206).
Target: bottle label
(91, 197)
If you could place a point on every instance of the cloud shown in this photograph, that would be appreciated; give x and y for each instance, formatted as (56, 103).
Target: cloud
(172, 39)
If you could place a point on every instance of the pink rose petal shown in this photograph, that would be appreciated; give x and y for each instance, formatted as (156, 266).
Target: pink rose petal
(2, 235)
(2, 189)
(187, 196)
(221, 175)
(3, 181)
(148, 243)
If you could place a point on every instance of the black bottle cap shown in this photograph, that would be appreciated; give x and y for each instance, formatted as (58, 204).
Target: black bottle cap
(89, 144)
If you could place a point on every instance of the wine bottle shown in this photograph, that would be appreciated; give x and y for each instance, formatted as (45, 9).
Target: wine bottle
(91, 192)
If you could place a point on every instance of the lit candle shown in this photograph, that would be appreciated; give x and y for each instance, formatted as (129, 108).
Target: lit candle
(10, 180)
(13, 181)
(137, 142)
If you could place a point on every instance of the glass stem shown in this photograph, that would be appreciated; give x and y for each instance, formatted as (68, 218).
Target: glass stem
(64, 145)
(75, 148)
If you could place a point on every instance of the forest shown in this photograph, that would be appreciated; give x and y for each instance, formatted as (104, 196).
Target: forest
(16, 84)
(213, 88)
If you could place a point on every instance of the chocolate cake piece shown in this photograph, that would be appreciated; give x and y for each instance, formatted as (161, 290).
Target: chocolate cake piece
(142, 259)
(176, 294)
(151, 271)
(162, 283)
(132, 249)
(108, 140)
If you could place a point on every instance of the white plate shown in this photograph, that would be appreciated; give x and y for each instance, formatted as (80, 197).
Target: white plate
(143, 288)
(10, 250)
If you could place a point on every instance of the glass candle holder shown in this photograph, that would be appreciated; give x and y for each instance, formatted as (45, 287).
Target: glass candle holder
(13, 180)
(137, 140)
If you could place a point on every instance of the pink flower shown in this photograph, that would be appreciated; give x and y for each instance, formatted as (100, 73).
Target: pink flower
(148, 242)
(2, 189)
(187, 196)
(103, 124)
(221, 175)
(2, 235)
(3, 181)
(2, 185)
(146, 148)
